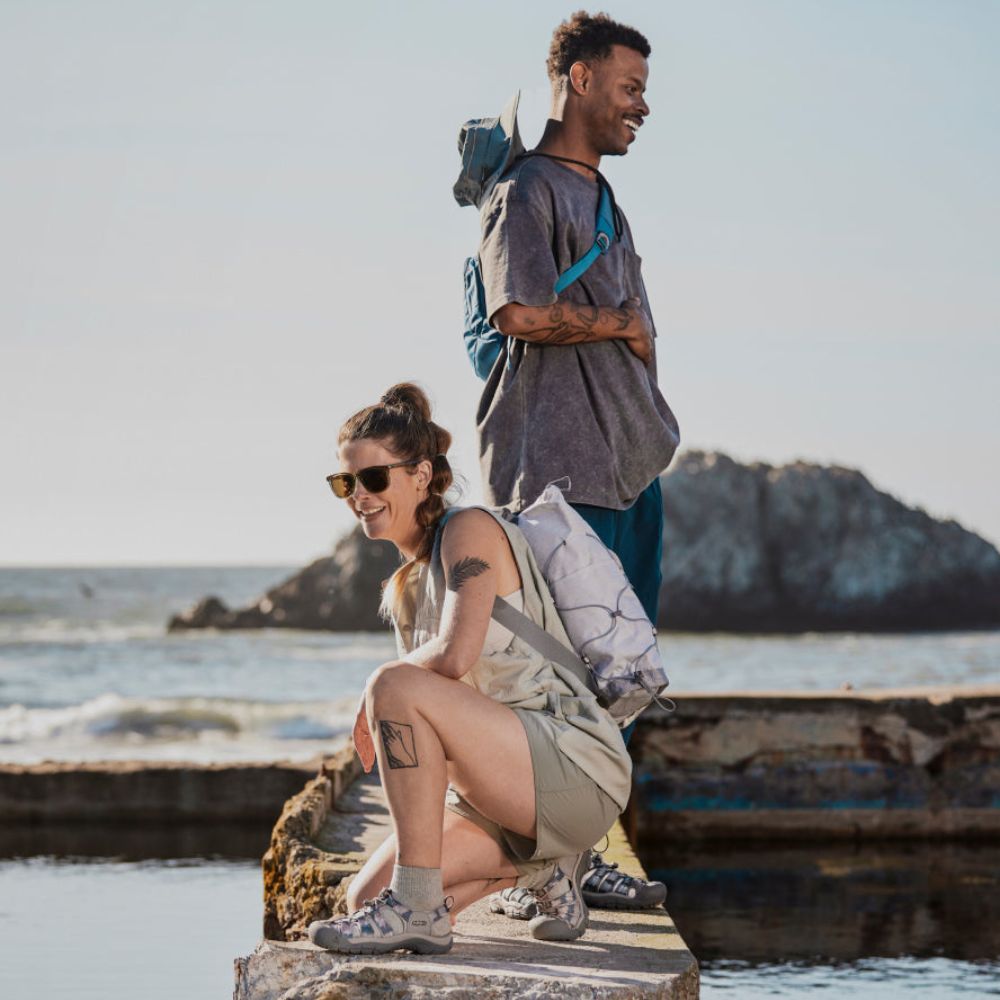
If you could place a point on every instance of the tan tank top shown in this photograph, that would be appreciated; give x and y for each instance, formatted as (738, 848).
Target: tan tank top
(518, 675)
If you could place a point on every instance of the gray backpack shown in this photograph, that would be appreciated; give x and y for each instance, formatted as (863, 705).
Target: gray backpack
(614, 643)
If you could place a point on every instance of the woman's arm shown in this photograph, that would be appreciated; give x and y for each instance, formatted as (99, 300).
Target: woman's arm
(478, 564)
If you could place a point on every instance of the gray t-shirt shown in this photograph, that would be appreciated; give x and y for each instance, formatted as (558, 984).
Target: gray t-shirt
(592, 412)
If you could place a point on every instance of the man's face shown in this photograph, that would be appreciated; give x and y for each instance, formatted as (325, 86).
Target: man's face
(614, 104)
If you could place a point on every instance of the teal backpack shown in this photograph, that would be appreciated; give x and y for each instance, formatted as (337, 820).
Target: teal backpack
(489, 148)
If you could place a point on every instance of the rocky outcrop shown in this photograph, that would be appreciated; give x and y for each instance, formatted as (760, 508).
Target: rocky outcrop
(302, 881)
(747, 548)
(807, 547)
(340, 593)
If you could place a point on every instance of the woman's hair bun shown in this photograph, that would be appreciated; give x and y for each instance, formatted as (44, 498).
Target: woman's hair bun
(442, 440)
(407, 396)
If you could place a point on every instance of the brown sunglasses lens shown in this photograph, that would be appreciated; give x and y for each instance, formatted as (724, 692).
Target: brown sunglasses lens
(342, 484)
(375, 479)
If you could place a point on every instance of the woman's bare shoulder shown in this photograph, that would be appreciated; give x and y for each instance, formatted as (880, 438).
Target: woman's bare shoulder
(473, 524)
(474, 536)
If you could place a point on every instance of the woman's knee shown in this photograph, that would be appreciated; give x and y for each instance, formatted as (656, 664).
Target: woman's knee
(389, 682)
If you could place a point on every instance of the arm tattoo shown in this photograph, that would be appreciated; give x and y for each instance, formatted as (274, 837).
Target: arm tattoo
(398, 744)
(557, 330)
(465, 569)
(562, 329)
(588, 317)
(622, 317)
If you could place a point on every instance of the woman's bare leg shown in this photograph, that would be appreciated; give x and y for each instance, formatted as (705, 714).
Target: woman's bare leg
(421, 722)
(473, 866)
(468, 893)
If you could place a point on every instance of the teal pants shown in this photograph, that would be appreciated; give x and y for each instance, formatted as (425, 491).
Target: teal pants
(636, 537)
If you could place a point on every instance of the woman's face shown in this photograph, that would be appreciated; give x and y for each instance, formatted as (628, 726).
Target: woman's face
(390, 514)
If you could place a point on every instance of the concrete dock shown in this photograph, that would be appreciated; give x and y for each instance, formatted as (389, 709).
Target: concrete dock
(322, 838)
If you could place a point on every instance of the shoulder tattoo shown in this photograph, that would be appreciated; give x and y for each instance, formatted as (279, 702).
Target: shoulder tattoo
(465, 569)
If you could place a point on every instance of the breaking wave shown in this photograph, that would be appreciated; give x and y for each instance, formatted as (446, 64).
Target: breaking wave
(110, 726)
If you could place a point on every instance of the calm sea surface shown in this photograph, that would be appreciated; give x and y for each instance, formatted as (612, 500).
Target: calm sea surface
(88, 672)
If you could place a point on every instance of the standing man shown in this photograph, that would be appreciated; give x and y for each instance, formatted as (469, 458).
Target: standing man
(577, 395)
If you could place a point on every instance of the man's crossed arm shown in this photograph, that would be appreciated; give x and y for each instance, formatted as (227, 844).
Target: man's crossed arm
(569, 323)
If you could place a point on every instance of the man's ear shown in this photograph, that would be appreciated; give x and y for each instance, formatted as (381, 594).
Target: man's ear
(580, 77)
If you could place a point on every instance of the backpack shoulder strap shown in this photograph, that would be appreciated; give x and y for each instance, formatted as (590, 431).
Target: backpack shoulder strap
(534, 635)
(607, 225)
(604, 235)
(516, 621)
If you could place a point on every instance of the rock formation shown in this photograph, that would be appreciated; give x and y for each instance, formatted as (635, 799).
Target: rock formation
(807, 547)
(340, 593)
(747, 548)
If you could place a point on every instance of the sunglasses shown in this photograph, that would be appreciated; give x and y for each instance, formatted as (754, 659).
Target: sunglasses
(375, 479)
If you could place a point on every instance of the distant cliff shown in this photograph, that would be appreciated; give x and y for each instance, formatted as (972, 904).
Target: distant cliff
(747, 548)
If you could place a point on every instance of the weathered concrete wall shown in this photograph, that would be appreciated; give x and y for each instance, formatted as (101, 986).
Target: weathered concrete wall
(302, 878)
(324, 835)
(243, 840)
(844, 764)
(140, 792)
(894, 763)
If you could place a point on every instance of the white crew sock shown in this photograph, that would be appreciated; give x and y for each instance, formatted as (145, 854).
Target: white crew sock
(418, 888)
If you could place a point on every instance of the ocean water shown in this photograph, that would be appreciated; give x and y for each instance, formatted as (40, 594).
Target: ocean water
(91, 929)
(88, 670)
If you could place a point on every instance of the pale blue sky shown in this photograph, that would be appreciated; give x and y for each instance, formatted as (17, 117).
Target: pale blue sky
(228, 225)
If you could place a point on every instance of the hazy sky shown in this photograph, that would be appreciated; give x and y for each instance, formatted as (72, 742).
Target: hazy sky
(227, 225)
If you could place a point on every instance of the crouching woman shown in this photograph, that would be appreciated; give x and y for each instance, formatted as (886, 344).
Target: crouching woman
(498, 765)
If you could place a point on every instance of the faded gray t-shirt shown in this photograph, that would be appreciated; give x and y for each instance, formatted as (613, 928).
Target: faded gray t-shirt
(592, 412)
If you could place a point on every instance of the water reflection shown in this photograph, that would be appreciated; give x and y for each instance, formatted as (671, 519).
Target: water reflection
(834, 903)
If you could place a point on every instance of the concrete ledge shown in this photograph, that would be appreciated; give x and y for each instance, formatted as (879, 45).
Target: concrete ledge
(147, 792)
(919, 762)
(324, 836)
(492, 961)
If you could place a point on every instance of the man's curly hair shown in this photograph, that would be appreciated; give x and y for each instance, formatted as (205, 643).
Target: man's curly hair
(585, 37)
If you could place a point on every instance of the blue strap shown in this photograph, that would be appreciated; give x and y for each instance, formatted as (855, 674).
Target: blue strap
(604, 235)
(578, 269)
